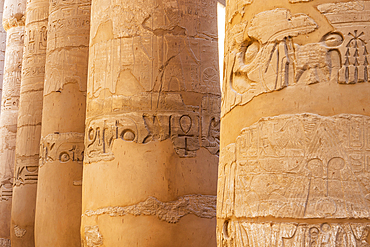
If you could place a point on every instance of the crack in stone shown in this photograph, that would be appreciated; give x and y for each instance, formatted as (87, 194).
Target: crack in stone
(203, 206)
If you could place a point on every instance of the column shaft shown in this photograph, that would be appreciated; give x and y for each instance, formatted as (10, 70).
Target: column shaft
(58, 203)
(294, 161)
(29, 124)
(13, 22)
(152, 128)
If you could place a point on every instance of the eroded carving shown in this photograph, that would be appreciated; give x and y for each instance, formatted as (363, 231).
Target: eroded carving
(4, 242)
(262, 59)
(19, 232)
(354, 51)
(188, 127)
(298, 166)
(244, 233)
(203, 206)
(93, 237)
(6, 191)
(62, 147)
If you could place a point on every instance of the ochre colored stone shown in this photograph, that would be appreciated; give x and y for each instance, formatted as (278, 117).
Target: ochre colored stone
(58, 203)
(29, 125)
(294, 161)
(152, 124)
(13, 22)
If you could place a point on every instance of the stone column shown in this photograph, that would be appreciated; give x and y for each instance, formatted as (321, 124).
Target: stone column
(295, 143)
(29, 124)
(13, 22)
(152, 128)
(2, 48)
(58, 203)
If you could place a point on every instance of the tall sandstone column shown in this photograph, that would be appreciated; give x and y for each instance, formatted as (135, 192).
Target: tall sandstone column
(13, 22)
(58, 203)
(152, 124)
(29, 124)
(295, 143)
(2, 48)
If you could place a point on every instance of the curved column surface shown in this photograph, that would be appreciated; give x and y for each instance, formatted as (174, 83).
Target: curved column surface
(13, 22)
(58, 203)
(294, 161)
(2, 48)
(152, 124)
(29, 124)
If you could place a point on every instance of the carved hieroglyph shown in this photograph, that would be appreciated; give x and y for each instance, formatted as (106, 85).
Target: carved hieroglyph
(29, 124)
(63, 124)
(153, 100)
(298, 173)
(262, 59)
(13, 22)
(244, 233)
(300, 166)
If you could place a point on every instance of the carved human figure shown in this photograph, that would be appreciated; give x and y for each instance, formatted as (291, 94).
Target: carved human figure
(58, 201)
(152, 122)
(294, 159)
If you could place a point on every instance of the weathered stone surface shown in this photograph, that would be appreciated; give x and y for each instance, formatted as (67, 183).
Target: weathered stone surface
(294, 162)
(13, 22)
(152, 122)
(171, 212)
(58, 203)
(2, 48)
(29, 124)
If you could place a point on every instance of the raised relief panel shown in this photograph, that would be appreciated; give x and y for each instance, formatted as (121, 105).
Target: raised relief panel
(62, 147)
(298, 166)
(262, 59)
(244, 233)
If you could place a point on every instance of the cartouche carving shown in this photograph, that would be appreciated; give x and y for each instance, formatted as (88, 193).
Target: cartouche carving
(203, 206)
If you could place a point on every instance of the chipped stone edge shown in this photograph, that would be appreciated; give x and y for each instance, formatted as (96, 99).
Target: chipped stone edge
(203, 206)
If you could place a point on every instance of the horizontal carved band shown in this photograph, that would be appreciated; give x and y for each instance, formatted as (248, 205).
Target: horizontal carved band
(62, 147)
(298, 166)
(244, 233)
(189, 129)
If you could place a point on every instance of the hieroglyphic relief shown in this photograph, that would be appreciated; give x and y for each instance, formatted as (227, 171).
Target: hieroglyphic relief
(62, 147)
(188, 127)
(156, 66)
(67, 55)
(298, 166)
(6, 192)
(243, 233)
(262, 59)
(354, 51)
